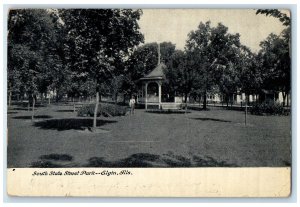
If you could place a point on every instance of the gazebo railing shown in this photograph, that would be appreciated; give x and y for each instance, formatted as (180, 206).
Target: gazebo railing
(153, 99)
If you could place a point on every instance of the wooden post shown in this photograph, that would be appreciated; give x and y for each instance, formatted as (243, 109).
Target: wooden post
(146, 94)
(246, 113)
(49, 99)
(96, 110)
(158, 51)
(159, 95)
(33, 103)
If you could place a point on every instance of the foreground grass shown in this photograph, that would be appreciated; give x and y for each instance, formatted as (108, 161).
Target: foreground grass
(215, 138)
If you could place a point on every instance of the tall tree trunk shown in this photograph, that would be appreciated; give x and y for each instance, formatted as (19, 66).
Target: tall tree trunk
(227, 100)
(248, 99)
(28, 105)
(96, 110)
(116, 98)
(124, 98)
(222, 100)
(287, 99)
(246, 104)
(185, 101)
(33, 104)
(199, 100)
(204, 100)
(9, 99)
(116, 101)
(42, 98)
(74, 107)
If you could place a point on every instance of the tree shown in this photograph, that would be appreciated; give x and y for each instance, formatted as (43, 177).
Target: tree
(213, 51)
(276, 64)
(284, 18)
(181, 75)
(116, 84)
(275, 55)
(249, 72)
(31, 55)
(98, 41)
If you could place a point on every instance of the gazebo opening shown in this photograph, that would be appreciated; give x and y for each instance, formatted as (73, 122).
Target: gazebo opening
(153, 90)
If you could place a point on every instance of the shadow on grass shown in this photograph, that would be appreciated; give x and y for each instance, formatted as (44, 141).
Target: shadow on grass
(197, 108)
(25, 104)
(71, 123)
(211, 162)
(135, 160)
(53, 161)
(65, 111)
(12, 112)
(21, 109)
(211, 119)
(62, 157)
(151, 160)
(167, 111)
(36, 117)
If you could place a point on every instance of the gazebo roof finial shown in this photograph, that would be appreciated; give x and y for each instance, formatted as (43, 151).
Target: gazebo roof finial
(158, 51)
(158, 72)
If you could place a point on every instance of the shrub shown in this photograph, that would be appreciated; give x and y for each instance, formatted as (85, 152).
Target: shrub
(104, 109)
(268, 108)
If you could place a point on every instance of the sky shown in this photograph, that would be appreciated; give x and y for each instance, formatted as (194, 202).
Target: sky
(159, 25)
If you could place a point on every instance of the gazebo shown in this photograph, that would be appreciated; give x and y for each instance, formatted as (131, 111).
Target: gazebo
(152, 86)
(151, 93)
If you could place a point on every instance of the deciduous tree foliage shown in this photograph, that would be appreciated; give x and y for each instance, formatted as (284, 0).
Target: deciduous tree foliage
(284, 18)
(275, 57)
(99, 41)
(249, 72)
(32, 51)
(214, 58)
(276, 64)
(82, 52)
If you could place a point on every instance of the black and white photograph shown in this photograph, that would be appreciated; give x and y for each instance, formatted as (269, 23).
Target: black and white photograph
(148, 88)
(104, 101)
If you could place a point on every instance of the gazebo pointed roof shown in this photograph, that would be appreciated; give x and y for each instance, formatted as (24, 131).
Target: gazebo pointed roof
(157, 73)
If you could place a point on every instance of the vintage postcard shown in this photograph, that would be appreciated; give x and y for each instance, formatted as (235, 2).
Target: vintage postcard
(149, 102)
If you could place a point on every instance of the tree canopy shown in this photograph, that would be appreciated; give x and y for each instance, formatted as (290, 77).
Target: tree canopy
(85, 52)
(32, 50)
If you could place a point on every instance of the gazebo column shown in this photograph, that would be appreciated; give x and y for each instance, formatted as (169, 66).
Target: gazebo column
(146, 95)
(159, 95)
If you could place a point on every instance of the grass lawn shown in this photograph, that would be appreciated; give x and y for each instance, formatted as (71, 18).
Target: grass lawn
(58, 138)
